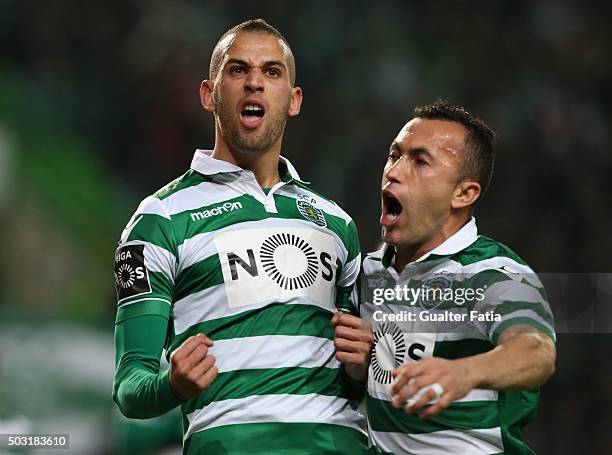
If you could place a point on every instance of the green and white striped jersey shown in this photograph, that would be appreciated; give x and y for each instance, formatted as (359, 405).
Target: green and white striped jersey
(261, 273)
(504, 291)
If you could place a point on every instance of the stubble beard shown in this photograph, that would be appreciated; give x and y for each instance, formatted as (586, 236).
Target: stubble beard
(249, 143)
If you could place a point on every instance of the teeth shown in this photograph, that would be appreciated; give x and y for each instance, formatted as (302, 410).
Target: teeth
(250, 107)
(392, 216)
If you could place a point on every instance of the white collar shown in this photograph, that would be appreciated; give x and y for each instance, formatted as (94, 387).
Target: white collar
(460, 240)
(205, 164)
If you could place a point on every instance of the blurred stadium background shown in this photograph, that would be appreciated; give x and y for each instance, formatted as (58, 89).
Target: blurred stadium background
(99, 107)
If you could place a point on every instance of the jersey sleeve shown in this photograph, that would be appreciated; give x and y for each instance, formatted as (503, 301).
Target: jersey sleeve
(513, 298)
(139, 389)
(345, 284)
(146, 262)
(145, 267)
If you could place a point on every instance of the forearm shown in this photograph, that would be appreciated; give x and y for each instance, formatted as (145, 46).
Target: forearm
(142, 394)
(523, 359)
(139, 389)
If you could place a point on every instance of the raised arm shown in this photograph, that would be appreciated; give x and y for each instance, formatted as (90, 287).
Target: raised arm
(523, 359)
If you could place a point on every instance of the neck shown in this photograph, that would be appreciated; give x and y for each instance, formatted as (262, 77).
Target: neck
(264, 165)
(405, 254)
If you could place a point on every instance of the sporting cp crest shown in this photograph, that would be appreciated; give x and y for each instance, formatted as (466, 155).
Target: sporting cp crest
(311, 213)
(436, 290)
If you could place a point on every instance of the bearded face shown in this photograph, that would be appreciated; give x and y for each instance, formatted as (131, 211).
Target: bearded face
(266, 120)
(253, 94)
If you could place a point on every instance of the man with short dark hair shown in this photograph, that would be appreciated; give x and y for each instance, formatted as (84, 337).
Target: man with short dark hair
(463, 334)
(243, 273)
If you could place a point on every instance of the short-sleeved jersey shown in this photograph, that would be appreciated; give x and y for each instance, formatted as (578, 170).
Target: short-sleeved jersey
(489, 288)
(260, 273)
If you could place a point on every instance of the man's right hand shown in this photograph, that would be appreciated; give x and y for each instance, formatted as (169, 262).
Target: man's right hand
(192, 370)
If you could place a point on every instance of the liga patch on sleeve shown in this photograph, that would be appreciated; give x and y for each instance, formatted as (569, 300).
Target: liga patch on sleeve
(131, 274)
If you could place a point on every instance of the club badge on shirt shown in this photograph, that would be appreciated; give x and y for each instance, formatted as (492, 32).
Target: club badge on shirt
(131, 274)
(310, 211)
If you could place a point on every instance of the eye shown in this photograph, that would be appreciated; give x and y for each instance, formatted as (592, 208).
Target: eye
(421, 162)
(273, 72)
(236, 70)
(394, 155)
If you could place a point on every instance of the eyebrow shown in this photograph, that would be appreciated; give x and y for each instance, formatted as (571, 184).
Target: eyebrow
(266, 64)
(413, 151)
(419, 151)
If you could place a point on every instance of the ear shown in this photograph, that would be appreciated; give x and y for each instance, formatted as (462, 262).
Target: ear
(206, 95)
(466, 194)
(296, 101)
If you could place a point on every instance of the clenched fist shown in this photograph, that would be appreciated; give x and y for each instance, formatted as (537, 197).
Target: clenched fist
(353, 343)
(192, 369)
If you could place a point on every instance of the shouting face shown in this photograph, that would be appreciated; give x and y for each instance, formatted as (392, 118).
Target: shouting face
(252, 94)
(420, 183)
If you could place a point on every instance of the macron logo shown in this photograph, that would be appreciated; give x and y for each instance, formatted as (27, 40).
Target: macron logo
(227, 207)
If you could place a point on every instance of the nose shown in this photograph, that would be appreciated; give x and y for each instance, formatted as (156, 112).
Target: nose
(391, 172)
(254, 82)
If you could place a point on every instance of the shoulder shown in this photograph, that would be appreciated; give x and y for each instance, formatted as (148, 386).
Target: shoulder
(309, 196)
(187, 180)
(190, 191)
(488, 254)
(154, 210)
(156, 203)
(325, 213)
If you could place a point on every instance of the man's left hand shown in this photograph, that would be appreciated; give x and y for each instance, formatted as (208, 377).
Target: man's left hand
(353, 342)
(440, 379)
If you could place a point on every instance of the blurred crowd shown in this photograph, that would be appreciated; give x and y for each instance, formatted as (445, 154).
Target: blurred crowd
(99, 107)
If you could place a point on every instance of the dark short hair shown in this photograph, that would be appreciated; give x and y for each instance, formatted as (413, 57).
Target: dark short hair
(251, 26)
(479, 142)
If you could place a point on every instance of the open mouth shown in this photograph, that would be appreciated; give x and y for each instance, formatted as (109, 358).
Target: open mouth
(251, 115)
(252, 110)
(391, 209)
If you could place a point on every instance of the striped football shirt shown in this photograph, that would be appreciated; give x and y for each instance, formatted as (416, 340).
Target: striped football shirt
(260, 272)
(471, 289)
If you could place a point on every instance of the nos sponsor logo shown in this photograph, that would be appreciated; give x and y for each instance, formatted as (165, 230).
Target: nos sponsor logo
(277, 264)
(131, 275)
(394, 345)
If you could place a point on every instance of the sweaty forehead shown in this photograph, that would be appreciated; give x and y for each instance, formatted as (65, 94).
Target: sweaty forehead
(433, 134)
(253, 47)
